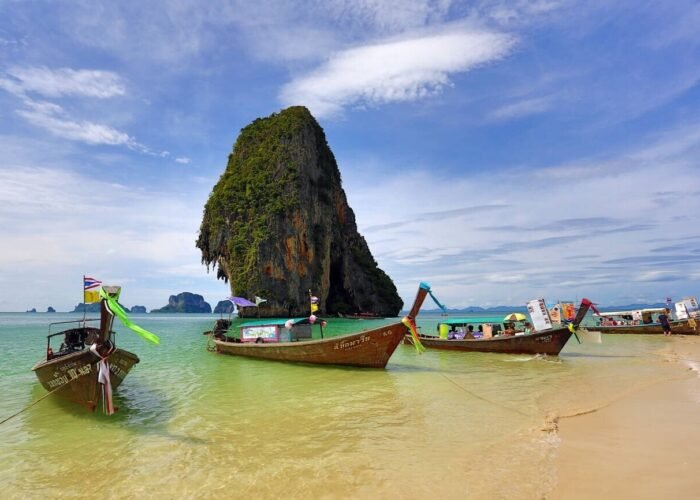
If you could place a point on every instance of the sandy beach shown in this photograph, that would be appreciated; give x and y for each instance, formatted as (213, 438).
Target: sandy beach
(642, 445)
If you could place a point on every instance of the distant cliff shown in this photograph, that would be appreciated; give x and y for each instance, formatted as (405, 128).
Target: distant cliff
(278, 224)
(224, 307)
(185, 302)
(93, 307)
(138, 309)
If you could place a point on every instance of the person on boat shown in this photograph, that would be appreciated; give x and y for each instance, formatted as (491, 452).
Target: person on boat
(665, 325)
(510, 330)
(470, 332)
(528, 327)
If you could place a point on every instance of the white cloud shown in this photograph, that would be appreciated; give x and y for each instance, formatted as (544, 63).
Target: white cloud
(396, 70)
(63, 82)
(604, 211)
(511, 12)
(521, 108)
(183, 160)
(61, 224)
(48, 116)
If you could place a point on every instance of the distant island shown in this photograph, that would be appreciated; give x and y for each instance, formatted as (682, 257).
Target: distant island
(185, 302)
(92, 308)
(139, 310)
(32, 310)
(224, 307)
(51, 310)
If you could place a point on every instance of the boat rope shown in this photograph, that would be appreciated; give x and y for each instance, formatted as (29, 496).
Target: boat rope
(495, 403)
(42, 398)
(552, 420)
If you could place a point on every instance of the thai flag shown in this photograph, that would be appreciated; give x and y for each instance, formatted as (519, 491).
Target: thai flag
(90, 283)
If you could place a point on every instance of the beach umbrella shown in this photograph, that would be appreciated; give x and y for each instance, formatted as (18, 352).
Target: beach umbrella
(515, 317)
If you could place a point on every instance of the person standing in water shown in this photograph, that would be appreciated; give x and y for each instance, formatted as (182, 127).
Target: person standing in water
(665, 325)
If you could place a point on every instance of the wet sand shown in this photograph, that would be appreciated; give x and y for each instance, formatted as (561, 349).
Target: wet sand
(646, 444)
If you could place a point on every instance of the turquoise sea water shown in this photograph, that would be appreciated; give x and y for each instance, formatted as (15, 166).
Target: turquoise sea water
(192, 423)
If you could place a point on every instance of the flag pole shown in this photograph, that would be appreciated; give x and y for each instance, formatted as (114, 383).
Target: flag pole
(84, 304)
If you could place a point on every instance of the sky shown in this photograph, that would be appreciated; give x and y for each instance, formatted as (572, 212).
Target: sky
(500, 150)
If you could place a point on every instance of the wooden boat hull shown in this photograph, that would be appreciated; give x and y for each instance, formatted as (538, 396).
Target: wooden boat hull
(677, 328)
(74, 376)
(367, 349)
(548, 342)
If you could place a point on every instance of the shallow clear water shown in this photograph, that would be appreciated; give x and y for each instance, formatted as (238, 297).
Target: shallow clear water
(195, 423)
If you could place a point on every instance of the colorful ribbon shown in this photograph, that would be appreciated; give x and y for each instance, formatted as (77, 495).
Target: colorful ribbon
(104, 378)
(410, 323)
(119, 312)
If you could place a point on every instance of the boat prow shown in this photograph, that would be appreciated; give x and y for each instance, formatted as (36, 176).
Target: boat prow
(74, 376)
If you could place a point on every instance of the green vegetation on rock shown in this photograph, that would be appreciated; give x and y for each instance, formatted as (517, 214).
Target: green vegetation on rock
(277, 224)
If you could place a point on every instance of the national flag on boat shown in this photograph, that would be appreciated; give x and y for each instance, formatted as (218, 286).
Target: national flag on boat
(91, 290)
(90, 283)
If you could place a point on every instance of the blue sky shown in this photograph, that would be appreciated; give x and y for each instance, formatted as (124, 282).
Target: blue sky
(500, 150)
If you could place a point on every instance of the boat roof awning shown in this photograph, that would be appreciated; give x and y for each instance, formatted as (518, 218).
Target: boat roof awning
(638, 311)
(473, 320)
(274, 322)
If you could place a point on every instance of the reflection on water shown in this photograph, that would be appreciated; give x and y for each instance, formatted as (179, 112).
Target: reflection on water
(194, 423)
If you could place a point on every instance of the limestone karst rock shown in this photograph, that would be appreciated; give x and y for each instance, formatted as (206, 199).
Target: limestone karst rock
(224, 307)
(277, 224)
(185, 302)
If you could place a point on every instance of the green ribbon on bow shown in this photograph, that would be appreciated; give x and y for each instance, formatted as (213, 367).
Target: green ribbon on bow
(572, 329)
(120, 313)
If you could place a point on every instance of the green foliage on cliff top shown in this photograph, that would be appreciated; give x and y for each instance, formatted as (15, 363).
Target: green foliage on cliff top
(260, 182)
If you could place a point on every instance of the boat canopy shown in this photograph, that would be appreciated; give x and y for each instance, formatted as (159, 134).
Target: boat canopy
(636, 311)
(473, 320)
(274, 322)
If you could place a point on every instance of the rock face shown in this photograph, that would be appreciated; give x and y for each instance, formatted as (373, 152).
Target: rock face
(277, 224)
(138, 309)
(224, 307)
(185, 302)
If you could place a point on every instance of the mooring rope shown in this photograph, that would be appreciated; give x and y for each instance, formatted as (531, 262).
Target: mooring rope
(495, 403)
(43, 397)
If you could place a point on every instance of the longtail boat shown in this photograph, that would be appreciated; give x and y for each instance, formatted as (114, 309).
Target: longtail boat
(289, 341)
(88, 365)
(546, 341)
(645, 321)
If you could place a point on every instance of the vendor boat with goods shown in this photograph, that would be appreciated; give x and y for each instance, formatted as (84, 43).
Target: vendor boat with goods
(512, 334)
(683, 320)
(88, 365)
(291, 340)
